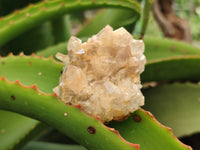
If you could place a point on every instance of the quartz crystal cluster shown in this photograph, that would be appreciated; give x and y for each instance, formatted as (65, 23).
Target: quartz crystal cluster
(102, 75)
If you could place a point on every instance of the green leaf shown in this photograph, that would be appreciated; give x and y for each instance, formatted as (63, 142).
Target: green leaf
(16, 129)
(117, 18)
(30, 70)
(29, 41)
(141, 127)
(145, 16)
(52, 50)
(51, 146)
(61, 29)
(176, 105)
(69, 120)
(20, 22)
(50, 109)
(174, 68)
(159, 48)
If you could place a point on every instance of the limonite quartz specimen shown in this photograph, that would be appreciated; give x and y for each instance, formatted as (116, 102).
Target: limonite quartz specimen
(102, 75)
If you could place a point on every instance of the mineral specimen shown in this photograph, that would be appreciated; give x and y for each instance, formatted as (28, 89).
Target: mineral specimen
(102, 75)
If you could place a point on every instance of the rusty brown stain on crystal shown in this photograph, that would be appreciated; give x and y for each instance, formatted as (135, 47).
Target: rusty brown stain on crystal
(91, 130)
(12, 97)
(121, 118)
(3, 62)
(198, 99)
(137, 118)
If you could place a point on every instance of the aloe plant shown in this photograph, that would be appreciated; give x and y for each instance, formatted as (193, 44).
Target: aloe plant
(26, 82)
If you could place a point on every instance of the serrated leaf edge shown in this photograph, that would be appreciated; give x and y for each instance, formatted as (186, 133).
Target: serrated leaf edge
(165, 127)
(21, 54)
(34, 87)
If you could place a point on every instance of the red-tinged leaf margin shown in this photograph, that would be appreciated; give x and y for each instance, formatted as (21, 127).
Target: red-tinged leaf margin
(163, 126)
(51, 57)
(142, 127)
(178, 97)
(34, 87)
(32, 69)
(35, 56)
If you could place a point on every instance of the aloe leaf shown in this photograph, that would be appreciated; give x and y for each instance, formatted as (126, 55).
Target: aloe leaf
(174, 68)
(92, 133)
(158, 48)
(69, 120)
(117, 18)
(175, 105)
(22, 67)
(17, 23)
(23, 129)
(134, 129)
(51, 146)
(52, 50)
(15, 130)
(29, 41)
(145, 16)
(61, 29)
(23, 63)
(30, 97)
(43, 72)
(8, 6)
(141, 127)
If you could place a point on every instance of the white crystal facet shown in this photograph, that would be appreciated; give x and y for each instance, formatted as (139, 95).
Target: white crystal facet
(103, 74)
